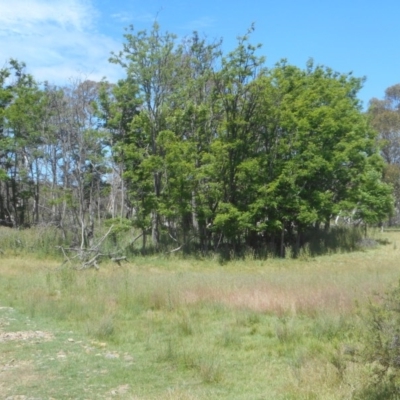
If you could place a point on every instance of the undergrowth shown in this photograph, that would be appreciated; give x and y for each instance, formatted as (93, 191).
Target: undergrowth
(48, 241)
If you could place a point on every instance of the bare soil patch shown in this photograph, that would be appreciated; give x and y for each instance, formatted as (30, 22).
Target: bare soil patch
(25, 335)
(19, 335)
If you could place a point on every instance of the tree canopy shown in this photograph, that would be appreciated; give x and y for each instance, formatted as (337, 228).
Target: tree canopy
(223, 150)
(196, 148)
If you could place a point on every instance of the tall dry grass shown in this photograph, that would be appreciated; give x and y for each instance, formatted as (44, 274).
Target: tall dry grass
(265, 329)
(327, 284)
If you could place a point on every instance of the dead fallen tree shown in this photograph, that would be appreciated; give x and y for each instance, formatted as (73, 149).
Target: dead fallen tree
(85, 258)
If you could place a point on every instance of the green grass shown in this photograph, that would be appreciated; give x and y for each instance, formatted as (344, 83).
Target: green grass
(176, 328)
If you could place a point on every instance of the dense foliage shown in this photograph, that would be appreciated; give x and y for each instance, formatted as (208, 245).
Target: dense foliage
(196, 148)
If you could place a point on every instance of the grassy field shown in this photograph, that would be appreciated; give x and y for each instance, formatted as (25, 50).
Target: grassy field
(175, 328)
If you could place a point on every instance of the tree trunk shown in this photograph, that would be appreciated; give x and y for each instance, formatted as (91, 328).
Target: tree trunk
(282, 246)
(155, 234)
(195, 222)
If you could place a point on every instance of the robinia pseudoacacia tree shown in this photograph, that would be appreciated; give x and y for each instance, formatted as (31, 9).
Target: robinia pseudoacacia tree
(220, 150)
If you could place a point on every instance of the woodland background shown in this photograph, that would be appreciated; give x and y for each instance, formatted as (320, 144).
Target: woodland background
(197, 150)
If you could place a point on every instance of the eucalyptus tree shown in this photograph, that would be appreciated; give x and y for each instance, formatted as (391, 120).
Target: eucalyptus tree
(78, 158)
(116, 107)
(385, 118)
(22, 115)
(6, 97)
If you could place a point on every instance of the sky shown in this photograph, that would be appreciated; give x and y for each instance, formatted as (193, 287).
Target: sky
(60, 40)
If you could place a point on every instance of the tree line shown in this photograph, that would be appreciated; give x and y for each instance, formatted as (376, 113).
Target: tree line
(195, 148)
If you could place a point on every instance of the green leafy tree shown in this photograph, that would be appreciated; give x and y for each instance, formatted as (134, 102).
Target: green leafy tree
(319, 158)
(195, 125)
(152, 62)
(116, 107)
(236, 98)
(23, 107)
(222, 151)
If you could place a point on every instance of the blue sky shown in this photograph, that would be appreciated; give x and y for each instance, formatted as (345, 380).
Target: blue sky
(64, 39)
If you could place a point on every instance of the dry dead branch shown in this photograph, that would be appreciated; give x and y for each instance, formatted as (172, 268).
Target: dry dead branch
(82, 258)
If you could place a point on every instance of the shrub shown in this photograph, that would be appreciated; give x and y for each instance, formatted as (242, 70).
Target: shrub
(381, 352)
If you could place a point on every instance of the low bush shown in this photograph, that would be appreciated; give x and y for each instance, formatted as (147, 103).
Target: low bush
(381, 350)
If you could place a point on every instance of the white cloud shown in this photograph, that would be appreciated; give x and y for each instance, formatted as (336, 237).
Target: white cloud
(56, 39)
(30, 14)
(122, 17)
(200, 24)
(145, 17)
